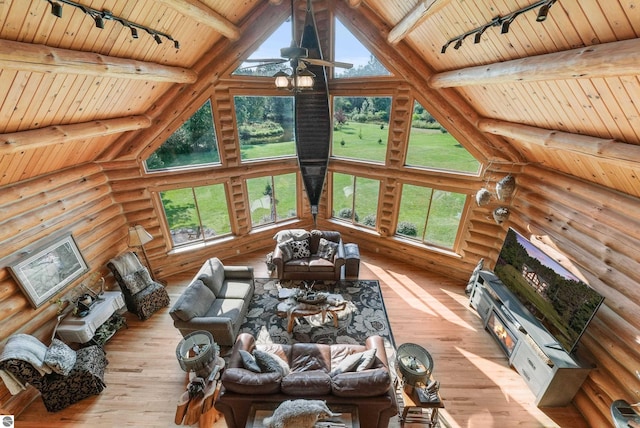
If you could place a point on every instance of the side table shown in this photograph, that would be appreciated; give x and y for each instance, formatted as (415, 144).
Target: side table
(82, 329)
(415, 411)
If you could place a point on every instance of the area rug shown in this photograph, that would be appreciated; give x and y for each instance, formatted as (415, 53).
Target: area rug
(364, 316)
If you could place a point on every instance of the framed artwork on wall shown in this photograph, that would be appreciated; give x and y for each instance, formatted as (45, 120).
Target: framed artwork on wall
(49, 269)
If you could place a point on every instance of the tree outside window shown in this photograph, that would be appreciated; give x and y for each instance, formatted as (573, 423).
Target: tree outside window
(272, 199)
(429, 215)
(196, 214)
(355, 199)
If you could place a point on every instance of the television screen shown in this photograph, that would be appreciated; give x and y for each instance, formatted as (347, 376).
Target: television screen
(558, 299)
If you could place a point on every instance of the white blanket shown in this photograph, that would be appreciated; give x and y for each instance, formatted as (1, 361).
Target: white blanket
(26, 348)
(126, 263)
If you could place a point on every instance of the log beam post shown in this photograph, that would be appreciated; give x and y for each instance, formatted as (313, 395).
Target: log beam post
(45, 59)
(200, 13)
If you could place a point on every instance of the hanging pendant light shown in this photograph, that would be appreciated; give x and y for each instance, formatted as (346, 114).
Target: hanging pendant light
(483, 196)
(506, 187)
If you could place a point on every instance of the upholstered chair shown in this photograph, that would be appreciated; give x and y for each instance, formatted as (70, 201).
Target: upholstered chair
(142, 294)
(63, 376)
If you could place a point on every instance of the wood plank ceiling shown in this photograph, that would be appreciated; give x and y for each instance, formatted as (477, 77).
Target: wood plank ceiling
(114, 86)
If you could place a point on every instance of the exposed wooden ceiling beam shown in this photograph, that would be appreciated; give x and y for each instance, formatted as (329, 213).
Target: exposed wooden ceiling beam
(197, 11)
(45, 59)
(354, 3)
(422, 11)
(608, 59)
(605, 149)
(35, 138)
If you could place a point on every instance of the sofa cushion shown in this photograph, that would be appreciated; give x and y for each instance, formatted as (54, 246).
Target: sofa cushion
(318, 264)
(300, 249)
(236, 289)
(245, 381)
(327, 249)
(365, 383)
(297, 265)
(234, 309)
(286, 249)
(271, 363)
(60, 357)
(305, 384)
(355, 362)
(194, 302)
(295, 234)
(249, 361)
(137, 281)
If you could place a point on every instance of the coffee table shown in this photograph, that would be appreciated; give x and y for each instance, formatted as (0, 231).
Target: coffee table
(293, 309)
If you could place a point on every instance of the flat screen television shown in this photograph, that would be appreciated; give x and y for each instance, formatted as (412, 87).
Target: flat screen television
(558, 299)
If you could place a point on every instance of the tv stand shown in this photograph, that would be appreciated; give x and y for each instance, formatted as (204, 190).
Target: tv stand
(551, 373)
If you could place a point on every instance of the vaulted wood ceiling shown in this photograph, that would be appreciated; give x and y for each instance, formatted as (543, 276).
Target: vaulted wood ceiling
(559, 93)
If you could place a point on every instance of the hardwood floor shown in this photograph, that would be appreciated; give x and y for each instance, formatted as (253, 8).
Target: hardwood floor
(479, 389)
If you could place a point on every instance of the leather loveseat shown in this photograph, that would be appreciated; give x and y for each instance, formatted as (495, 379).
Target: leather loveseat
(216, 300)
(316, 372)
(315, 255)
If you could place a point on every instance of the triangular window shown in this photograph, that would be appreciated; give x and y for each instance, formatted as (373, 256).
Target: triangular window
(193, 144)
(266, 60)
(432, 146)
(349, 49)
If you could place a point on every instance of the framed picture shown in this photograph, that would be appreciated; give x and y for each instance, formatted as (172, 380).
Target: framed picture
(50, 269)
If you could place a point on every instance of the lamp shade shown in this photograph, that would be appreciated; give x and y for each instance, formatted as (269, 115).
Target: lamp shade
(138, 236)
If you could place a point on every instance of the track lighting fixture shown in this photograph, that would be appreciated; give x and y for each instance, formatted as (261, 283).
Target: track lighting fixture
(504, 22)
(99, 16)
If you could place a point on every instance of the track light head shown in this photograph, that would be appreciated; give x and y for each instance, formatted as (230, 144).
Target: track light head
(56, 9)
(458, 44)
(134, 32)
(544, 11)
(477, 37)
(176, 44)
(99, 22)
(157, 39)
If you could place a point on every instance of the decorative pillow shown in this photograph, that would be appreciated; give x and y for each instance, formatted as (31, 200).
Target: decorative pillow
(270, 363)
(60, 357)
(287, 251)
(194, 302)
(355, 362)
(137, 281)
(300, 249)
(249, 361)
(294, 234)
(327, 249)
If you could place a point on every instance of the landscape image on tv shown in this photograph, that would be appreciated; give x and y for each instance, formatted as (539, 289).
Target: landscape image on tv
(556, 297)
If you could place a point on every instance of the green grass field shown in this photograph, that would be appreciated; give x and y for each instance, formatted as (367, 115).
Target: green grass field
(427, 148)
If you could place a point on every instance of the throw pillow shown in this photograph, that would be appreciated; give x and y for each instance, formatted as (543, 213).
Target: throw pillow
(270, 363)
(194, 302)
(300, 249)
(286, 250)
(60, 357)
(355, 362)
(137, 281)
(249, 361)
(327, 249)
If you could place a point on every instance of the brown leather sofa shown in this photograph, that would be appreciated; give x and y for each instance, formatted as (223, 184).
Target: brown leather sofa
(309, 378)
(316, 264)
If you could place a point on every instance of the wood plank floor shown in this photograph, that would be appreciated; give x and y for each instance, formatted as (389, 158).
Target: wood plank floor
(479, 389)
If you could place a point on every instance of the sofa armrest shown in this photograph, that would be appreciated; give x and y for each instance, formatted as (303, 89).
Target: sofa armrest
(339, 257)
(238, 272)
(245, 342)
(377, 343)
(205, 323)
(277, 259)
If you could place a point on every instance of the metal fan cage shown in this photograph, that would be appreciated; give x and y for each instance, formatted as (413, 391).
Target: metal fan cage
(413, 364)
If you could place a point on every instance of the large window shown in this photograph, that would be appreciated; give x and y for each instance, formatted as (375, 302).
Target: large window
(355, 199)
(265, 126)
(431, 145)
(272, 198)
(429, 215)
(361, 127)
(194, 143)
(196, 214)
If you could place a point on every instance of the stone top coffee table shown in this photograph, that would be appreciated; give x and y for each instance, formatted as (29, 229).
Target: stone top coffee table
(324, 303)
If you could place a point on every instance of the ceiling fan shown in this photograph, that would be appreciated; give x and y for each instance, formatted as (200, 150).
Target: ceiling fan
(296, 55)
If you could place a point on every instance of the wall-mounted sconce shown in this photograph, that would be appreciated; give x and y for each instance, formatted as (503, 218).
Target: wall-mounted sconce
(99, 16)
(501, 214)
(506, 187)
(504, 22)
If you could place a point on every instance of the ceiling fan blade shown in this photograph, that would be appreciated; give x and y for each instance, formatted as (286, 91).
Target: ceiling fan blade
(316, 61)
(266, 60)
(262, 64)
(294, 52)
